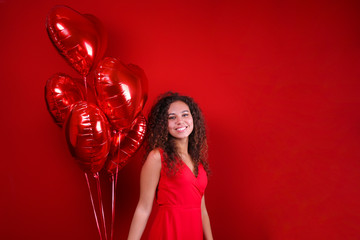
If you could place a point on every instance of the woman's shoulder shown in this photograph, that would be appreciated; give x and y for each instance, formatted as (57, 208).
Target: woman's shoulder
(155, 153)
(154, 156)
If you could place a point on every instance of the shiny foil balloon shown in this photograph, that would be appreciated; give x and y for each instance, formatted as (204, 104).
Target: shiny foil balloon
(79, 38)
(88, 136)
(61, 92)
(125, 144)
(144, 84)
(119, 91)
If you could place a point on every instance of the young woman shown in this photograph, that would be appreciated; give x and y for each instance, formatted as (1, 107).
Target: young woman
(175, 172)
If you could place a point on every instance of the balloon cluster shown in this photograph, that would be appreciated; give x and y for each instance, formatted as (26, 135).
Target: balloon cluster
(109, 130)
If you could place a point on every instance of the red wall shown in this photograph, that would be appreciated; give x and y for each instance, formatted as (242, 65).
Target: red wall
(278, 83)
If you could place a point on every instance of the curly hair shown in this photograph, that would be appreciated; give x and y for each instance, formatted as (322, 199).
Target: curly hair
(158, 135)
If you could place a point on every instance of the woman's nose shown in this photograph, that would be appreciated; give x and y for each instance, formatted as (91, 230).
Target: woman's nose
(179, 120)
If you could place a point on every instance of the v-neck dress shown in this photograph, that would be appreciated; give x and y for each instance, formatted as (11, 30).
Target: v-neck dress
(179, 199)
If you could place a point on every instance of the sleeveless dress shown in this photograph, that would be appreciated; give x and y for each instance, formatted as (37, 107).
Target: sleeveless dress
(179, 199)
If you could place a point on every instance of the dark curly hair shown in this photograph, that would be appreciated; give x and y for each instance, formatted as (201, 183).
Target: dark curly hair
(158, 135)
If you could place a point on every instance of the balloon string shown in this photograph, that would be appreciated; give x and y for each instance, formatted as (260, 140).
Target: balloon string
(117, 166)
(101, 208)
(93, 206)
(113, 193)
(86, 91)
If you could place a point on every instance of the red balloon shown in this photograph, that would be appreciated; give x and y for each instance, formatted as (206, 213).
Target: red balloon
(79, 38)
(61, 92)
(119, 91)
(87, 133)
(125, 144)
(144, 84)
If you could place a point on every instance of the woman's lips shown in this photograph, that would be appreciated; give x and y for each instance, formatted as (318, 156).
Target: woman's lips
(180, 129)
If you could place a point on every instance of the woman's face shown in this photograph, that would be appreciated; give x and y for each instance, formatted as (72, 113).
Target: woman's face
(180, 121)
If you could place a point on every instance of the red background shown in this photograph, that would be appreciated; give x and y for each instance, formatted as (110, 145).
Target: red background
(278, 83)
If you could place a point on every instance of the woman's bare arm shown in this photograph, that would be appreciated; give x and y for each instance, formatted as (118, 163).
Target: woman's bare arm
(205, 221)
(149, 179)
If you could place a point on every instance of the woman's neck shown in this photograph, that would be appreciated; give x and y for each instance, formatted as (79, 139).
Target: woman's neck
(182, 146)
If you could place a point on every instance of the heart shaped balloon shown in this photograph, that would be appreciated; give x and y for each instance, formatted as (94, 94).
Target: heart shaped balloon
(79, 38)
(88, 136)
(61, 92)
(125, 144)
(119, 92)
(144, 83)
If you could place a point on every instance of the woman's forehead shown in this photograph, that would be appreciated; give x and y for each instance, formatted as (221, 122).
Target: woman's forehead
(178, 106)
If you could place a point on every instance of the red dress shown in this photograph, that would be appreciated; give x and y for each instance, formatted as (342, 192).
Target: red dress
(179, 199)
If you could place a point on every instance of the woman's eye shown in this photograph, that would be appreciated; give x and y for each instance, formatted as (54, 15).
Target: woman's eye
(171, 118)
(185, 115)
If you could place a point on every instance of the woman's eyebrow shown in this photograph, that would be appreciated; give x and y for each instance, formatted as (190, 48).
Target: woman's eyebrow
(181, 112)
